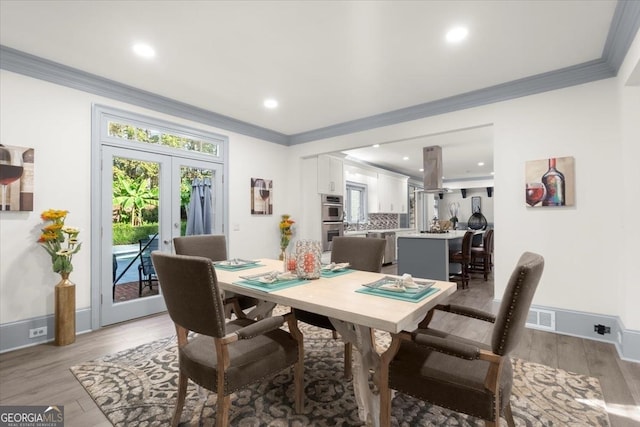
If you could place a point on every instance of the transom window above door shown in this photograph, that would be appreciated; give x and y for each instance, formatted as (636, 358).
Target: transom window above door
(148, 135)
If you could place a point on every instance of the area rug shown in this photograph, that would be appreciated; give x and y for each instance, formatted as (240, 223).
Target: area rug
(137, 387)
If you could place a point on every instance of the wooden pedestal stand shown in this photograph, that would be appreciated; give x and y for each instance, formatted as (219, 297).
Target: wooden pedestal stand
(65, 311)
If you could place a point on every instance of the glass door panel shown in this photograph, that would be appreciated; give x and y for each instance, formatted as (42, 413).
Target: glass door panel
(201, 197)
(149, 198)
(137, 191)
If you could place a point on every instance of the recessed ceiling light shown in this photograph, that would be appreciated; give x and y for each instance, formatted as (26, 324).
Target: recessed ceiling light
(376, 145)
(421, 170)
(270, 103)
(480, 163)
(144, 50)
(457, 34)
(493, 173)
(405, 158)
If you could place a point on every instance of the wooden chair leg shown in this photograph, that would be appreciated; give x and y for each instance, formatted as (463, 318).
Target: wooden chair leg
(348, 350)
(298, 380)
(465, 275)
(298, 373)
(182, 394)
(222, 415)
(487, 267)
(385, 404)
(508, 415)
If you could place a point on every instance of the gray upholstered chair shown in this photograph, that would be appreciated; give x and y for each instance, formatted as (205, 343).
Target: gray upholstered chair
(214, 247)
(223, 356)
(457, 373)
(365, 254)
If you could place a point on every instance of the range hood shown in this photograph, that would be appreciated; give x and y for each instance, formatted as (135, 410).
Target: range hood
(432, 161)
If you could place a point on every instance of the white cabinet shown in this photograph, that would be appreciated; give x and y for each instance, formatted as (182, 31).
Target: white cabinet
(373, 204)
(330, 175)
(392, 194)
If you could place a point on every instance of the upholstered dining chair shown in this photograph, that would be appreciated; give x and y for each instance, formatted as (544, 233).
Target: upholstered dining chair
(222, 356)
(460, 374)
(463, 257)
(214, 247)
(365, 254)
(482, 256)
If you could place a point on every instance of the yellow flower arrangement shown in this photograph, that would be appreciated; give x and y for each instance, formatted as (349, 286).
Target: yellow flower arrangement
(60, 241)
(286, 231)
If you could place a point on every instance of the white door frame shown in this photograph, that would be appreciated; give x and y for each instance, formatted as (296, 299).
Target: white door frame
(101, 260)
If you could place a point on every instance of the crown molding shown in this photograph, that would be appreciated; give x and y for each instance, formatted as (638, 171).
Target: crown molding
(623, 29)
(44, 69)
(570, 76)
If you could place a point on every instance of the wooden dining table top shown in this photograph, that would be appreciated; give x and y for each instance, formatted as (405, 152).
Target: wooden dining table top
(336, 297)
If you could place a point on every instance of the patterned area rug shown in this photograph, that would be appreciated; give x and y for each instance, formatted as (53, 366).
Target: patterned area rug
(137, 387)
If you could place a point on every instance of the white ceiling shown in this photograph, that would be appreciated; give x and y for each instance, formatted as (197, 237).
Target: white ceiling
(462, 150)
(326, 62)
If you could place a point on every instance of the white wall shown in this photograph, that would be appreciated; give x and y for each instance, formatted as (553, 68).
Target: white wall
(625, 214)
(486, 204)
(582, 245)
(56, 121)
(590, 251)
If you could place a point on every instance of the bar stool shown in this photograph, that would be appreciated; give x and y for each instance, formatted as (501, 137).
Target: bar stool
(482, 256)
(463, 257)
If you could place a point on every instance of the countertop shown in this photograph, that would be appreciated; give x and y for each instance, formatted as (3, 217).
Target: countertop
(364, 232)
(452, 234)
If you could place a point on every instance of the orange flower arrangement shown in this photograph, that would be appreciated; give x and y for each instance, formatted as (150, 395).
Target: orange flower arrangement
(60, 241)
(286, 231)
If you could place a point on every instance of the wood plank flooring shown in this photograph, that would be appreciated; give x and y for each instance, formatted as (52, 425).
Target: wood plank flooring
(40, 375)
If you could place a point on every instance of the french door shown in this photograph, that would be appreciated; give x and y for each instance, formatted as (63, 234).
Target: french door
(146, 192)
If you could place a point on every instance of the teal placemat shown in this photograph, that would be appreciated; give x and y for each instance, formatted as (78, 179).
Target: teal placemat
(270, 287)
(330, 274)
(237, 268)
(398, 295)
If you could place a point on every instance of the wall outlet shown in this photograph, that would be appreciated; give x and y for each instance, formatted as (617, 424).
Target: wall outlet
(38, 332)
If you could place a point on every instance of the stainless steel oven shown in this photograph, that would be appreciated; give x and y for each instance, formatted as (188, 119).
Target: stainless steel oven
(331, 229)
(332, 208)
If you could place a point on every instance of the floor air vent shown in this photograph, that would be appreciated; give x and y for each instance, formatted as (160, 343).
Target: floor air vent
(542, 319)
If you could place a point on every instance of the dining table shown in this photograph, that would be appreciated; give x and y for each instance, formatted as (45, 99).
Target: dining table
(352, 309)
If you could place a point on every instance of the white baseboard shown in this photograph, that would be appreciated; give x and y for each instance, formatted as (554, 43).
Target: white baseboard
(15, 335)
(582, 325)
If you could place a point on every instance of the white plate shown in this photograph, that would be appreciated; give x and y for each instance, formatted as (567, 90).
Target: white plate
(395, 284)
(270, 277)
(236, 262)
(335, 266)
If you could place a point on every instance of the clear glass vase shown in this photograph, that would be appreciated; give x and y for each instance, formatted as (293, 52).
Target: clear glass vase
(308, 263)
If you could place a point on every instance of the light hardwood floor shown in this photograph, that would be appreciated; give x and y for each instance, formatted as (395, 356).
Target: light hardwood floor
(40, 375)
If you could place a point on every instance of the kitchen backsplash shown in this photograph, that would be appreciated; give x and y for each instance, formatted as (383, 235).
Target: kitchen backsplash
(377, 221)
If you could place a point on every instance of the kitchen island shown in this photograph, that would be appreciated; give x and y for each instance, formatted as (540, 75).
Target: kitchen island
(427, 254)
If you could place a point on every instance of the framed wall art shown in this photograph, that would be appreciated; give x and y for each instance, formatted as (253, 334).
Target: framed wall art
(16, 178)
(550, 182)
(261, 196)
(475, 204)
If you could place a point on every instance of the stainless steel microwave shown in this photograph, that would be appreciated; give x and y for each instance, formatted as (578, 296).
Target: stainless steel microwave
(332, 208)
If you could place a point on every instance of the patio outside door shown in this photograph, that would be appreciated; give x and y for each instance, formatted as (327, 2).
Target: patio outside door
(145, 196)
